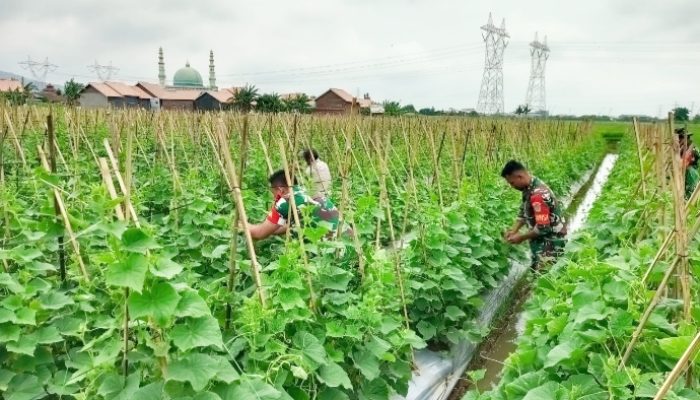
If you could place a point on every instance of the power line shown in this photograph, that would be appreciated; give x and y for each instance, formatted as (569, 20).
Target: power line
(103, 72)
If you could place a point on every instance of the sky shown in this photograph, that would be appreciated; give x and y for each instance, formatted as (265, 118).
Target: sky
(607, 56)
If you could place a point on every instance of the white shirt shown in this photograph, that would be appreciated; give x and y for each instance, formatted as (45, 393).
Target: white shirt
(320, 176)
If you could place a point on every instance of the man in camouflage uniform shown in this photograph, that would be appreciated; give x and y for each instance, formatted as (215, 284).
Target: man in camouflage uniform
(689, 157)
(542, 213)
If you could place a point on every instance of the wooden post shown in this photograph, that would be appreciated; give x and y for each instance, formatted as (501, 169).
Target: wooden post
(238, 199)
(234, 226)
(52, 166)
(64, 214)
(297, 222)
(639, 156)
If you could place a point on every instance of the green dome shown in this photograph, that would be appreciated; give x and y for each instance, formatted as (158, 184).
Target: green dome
(187, 77)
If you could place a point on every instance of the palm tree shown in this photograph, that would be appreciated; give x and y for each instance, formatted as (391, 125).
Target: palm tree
(270, 103)
(71, 91)
(298, 103)
(245, 98)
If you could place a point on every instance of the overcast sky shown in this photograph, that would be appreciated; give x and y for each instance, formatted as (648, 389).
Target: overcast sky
(607, 56)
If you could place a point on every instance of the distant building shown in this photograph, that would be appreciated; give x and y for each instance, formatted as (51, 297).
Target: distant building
(171, 98)
(338, 101)
(11, 85)
(50, 94)
(113, 94)
(214, 100)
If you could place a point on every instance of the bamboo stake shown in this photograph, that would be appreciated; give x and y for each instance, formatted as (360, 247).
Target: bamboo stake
(297, 223)
(234, 226)
(66, 219)
(15, 140)
(678, 369)
(238, 199)
(120, 181)
(52, 165)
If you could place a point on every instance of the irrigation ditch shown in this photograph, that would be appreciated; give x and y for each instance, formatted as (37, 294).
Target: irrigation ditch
(441, 375)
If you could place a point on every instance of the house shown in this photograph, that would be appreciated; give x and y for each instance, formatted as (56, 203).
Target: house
(11, 85)
(171, 98)
(338, 101)
(50, 94)
(113, 94)
(212, 100)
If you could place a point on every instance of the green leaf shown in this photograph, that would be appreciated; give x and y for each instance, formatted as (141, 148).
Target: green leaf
(674, 347)
(165, 268)
(332, 394)
(591, 311)
(26, 344)
(129, 272)
(41, 267)
(375, 390)
(476, 375)
(197, 369)
(548, 391)
(367, 363)
(5, 378)
(24, 387)
(426, 329)
(206, 396)
(137, 241)
(58, 384)
(253, 389)
(310, 348)
(158, 302)
(55, 300)
(453, 313)
(154, 391)
(48, 334)
(9, 332)
(197, 332)
(10, 283)
(561, 352)
(333, 376)
(25, 316)
(191, 304)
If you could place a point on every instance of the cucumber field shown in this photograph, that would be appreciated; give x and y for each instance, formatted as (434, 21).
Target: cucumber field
(129, 270)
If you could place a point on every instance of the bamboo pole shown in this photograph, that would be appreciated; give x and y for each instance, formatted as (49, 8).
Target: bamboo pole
(238, 199)
(52, 165)
(679, 367)
(15, 140)
(64, 215)
(639, 157)
(122, 186)
(297, 223)
(234, 226)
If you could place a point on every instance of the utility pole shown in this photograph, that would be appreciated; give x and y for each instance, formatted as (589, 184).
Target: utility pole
(536, 96)
(491, 93)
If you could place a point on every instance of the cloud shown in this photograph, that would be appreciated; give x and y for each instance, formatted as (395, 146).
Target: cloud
(606, 56)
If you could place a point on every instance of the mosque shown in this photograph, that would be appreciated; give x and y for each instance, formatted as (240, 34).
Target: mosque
(187, 77)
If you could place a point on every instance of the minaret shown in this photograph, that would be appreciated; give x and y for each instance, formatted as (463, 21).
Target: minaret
(212, 74)
(161, 67)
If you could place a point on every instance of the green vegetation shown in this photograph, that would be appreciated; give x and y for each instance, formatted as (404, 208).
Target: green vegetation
(168, 305)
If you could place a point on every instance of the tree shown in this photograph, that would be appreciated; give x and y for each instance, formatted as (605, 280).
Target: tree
(681, 114)
(392, 108)
(298, 103)
(696, 119)
(408, 109)
(523, 109)
(72, 91)
(15, 97)
(427, 111)
(270, 103)
(245, 98)
(519, 110)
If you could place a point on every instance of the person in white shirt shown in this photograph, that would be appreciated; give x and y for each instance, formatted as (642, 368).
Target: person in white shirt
(319, 175)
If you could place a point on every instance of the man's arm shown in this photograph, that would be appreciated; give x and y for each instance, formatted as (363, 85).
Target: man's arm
(543, 225)
(265, 229)
(519, 222)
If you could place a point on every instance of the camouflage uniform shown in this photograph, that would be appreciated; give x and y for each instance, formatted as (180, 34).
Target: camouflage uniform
(690, 162)
(542, 212)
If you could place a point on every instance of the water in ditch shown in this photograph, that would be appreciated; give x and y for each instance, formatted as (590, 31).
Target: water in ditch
(495, 350)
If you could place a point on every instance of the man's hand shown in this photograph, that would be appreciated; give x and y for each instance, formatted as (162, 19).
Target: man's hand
(515, 238)
(508, 234)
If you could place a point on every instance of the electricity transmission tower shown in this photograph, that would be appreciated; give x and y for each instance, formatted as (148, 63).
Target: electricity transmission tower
(104, 72)
(38, 69)
(491, 94)
(536, 95)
